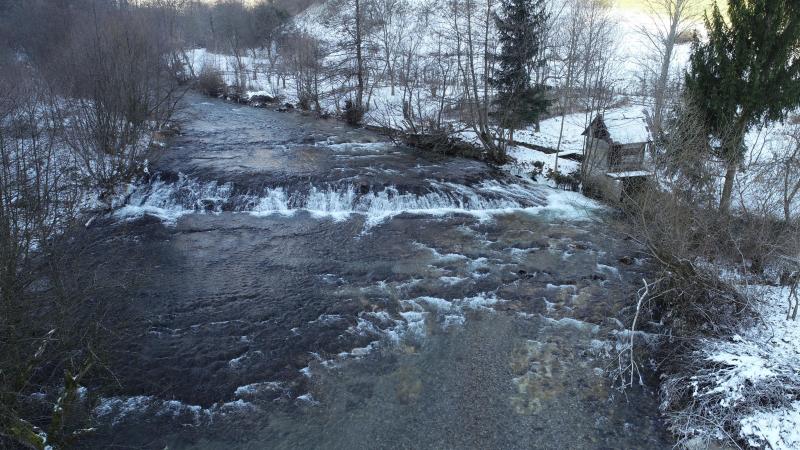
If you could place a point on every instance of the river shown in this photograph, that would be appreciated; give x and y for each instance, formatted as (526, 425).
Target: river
(302, 284)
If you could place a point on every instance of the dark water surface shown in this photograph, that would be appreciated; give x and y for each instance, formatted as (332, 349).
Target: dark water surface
(305, 285)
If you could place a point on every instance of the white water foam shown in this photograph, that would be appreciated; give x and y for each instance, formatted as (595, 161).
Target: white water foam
(412, 325)
(170, 201)
(340, 203)
(381, 148)
(117, 410)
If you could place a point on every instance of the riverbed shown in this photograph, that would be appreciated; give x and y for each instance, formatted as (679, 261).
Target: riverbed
(302, 284)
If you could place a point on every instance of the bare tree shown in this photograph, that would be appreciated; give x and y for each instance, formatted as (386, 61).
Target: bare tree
(789, 167)
(355, 53)
(121, 89)
(671, 21)
(770, 181)
(571, 22)
(232, 21)
(268, 23)
(597, 54)
(35, 190)
(473, 43)
(584, 50)
(305, 57)
(40, 195)
(358, 42)
(391, 18)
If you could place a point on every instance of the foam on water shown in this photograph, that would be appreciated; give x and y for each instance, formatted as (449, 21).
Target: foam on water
(255, 388)
(355, 147)
(412, 323)
(569, 322)
(451, 281)
(170, 201)
(120, 409)
(340, 202)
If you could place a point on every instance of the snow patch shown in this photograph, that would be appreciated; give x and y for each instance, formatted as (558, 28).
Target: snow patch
(774, 429)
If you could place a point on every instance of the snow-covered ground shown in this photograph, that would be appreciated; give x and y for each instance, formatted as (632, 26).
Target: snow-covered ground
(754, 377)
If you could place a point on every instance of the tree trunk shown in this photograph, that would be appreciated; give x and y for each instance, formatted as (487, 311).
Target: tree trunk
(255, 70)
(732, 147)
(486, 66)
(727, 189)
(790, 192)
(669, 48)
(359, 59)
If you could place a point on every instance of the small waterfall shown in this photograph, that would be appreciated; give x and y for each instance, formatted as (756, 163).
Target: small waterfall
(169, 201)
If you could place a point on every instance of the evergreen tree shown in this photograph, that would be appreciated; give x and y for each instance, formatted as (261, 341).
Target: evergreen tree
(748, 72)
(520, 29)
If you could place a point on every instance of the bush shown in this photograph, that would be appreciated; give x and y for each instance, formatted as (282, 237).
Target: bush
(210, 81)
(689, 246)
(353, 114)
(538, 170)
(45, 320)
(568, 182)
(117, 95)
(304, 101)
(684, 241)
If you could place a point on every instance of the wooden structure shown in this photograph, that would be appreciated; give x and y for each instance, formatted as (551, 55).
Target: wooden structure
(616, 151)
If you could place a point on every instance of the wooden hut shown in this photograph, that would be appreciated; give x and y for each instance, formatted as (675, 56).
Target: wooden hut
(615, 152)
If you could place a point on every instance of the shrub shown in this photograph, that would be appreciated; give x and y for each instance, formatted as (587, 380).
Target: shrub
(688, 246)
(568, 182)
(116, 95)
(45, 319)
(210, 81)
(538, 170)
(353, 114)
(304, 101)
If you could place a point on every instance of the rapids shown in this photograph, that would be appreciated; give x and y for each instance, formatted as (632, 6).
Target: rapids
(294, 283)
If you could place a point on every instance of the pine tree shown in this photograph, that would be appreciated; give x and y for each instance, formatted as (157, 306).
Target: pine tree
(520, 30)
(748, 72)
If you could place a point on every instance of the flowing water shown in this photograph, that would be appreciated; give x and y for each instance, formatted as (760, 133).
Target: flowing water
(301, 284)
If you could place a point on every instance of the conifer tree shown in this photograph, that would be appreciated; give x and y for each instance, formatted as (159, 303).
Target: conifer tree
(521, 28)
(747, 73)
